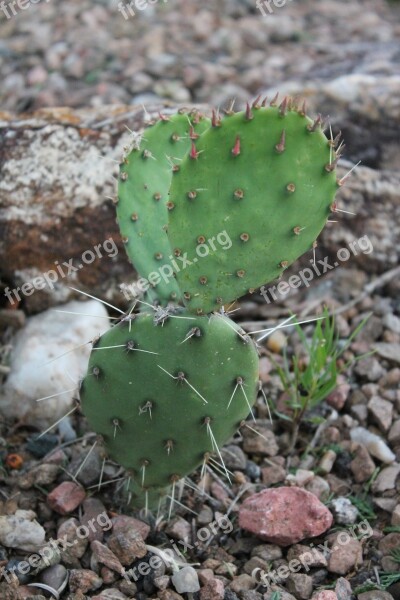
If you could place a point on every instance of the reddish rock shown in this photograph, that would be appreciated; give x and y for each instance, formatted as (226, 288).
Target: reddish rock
(122, 523)
(324, 595)
(106, 557)
(83, 580)
(66, 497)
(337, 398)
(284, 515)
(213, 590)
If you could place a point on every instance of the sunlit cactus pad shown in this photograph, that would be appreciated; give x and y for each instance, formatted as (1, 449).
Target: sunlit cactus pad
(165, 391)
(267, 177)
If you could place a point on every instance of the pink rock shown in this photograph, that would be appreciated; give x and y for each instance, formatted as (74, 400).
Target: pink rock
(324, 595)
(337, 398)
(122, 523)
(66, 497)
(213, 590)
(284, 515)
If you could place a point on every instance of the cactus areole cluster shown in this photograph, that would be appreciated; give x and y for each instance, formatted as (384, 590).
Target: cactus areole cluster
(169, 384)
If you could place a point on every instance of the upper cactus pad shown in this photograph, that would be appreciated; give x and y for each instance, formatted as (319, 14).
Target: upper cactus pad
(145, 177)
(267, 177)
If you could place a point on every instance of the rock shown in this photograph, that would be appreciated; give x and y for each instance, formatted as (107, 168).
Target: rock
(344, 511)
(319, 487)
(283, 595)
(21, 531)
(43, 475)
(389, 542)
(84, 580)
(75, 545)
(33, 376)
(369, 368)
(374, 444)
(391, 322)
(234, 458)
(213, 590)
(122, 523)
(362, 465)
(337, 398)
(343, 589)
(300, 585)
(106, 557)
(284, 515)
(242, 582)
(186, 580)
(395, 522)
(267, 552)
(386, 479)
(273, 474)
(375, 595)
(315, 558)
(276, 341)
(54, 576)
(345, 555)
(179, 529)
(382, 412)
(324, 595)
(302, 477)
(264, 444)
(95, 512)
(205, 516)
(390, 352)
(394, 433)
(127, 545)
(110, 594)
(327, 461)
(66, 497)
(89, 474)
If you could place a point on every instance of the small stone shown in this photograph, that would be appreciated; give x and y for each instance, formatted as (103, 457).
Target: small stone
(359, 412)
(314, 558)
(234, 458)
(66, 497)
(169, 595)
(21, 531)
(374, 444)
(389, 351)
(264, 444)
(186, 580)
(84, 580)
(179, 529)
(394, 433)
(324, 595)
(391, 322)
(54, 576)
(283, 594)
(267, 552)
(362, 465)
(123, 523)
(89, 473)
(302, 477)
(242, 582)
(337, 398)
(110, 594)
(386, 479)
(127, 546)
(106, 557)
(205, 516)
(75, 546)
(273, 474)
(389, 542)
(319, 487)
(382, 412)
(343, 589)
(344, 511)
(300, 585)
(327, 461)
(375, 595)
(43, 475)
(276, 341)
(95, 512)
(284, 515)
(344, 556)
(369, 368)
(395, 522)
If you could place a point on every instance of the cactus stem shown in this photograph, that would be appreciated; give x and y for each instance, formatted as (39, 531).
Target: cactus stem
(274, 100)
(281, 145)
(236, 148)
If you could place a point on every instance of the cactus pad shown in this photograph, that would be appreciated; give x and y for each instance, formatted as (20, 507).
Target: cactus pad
(265, 176)
(164, 391)
(144, 181)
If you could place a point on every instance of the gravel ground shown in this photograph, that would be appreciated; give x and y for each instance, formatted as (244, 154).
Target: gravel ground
(344, 474)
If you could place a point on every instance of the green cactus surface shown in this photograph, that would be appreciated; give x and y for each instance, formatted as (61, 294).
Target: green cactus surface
(142, 210)
(166, 390)
(266, 177)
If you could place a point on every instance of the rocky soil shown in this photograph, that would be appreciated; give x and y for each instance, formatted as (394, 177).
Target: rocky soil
(322, 523)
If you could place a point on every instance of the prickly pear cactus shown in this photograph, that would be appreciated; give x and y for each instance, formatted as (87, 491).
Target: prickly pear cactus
(266, 177)
(142, 207)
(166, 391)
